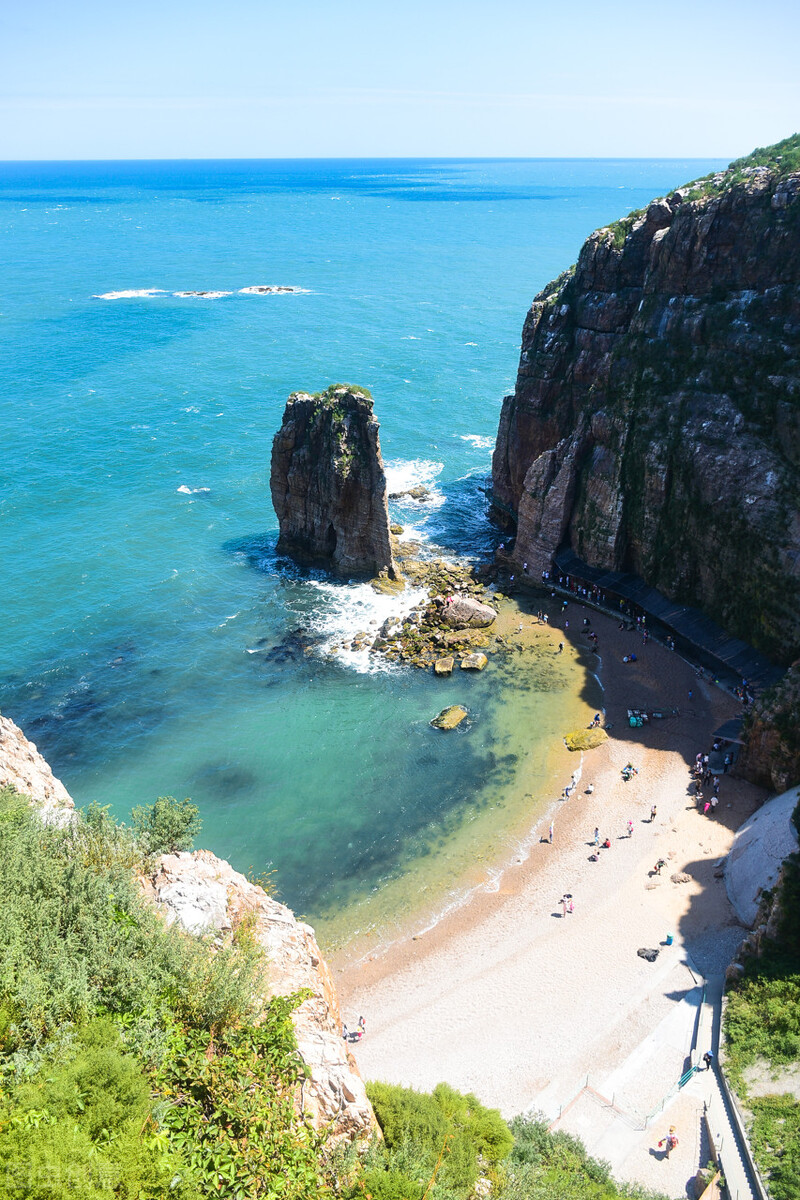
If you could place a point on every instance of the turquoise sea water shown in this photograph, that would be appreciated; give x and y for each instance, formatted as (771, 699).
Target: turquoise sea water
(152, 643)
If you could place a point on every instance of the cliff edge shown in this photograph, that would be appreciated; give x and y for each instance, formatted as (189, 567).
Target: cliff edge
(205, 894)
(655, 424)
(328, 484)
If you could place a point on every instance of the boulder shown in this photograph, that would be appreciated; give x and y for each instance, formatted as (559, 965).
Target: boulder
(467, 612)
(444, 666)
(448, 718)
(474, 662)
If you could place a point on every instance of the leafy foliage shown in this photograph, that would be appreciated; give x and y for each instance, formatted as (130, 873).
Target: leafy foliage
(81, 1129)
(167, 826)
(230, 1108)
(762, 1023)
(138, 1061)
(555, 1166)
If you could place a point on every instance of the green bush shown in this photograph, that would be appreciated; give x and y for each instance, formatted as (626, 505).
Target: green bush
(84, 1128)
(446, 1133)
(762, 1022)
(167, 826)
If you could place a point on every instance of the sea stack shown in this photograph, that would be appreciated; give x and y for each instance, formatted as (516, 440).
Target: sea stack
(328, 484)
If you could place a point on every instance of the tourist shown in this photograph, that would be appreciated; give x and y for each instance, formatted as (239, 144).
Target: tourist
(708, 1059)
(630, 828)
(653, 814)
(669, 1142)
(560, 648)
(657, 869)
(607, 844)
(362, 1028)
(596, 840)
(550, 833)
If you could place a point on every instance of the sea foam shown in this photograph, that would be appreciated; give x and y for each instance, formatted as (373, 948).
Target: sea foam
(131, 294)
(339, 611)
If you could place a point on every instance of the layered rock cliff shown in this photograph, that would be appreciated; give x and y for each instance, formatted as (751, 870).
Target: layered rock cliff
(655, 425)
(328, 484)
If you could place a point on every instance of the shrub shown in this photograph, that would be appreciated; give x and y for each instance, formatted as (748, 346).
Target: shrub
(167, 826)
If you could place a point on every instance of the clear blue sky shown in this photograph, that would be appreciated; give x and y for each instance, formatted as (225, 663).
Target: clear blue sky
(297, 78)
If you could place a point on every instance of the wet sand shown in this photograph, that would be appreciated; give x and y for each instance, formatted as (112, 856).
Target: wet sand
(507, 997)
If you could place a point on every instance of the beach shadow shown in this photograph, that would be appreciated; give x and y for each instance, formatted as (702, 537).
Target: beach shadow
(659, 1154)
(557, 914)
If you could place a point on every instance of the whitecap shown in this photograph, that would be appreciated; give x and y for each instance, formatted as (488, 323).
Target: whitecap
(470, 343)
(202, 295)
(402, 474)
(409, 338)
(341, 610)
(478, 440)
(131, 294)
(187, 491)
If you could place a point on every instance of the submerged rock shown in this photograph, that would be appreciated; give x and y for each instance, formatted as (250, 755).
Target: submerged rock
(474, 662)
(328, 484)
(448, 718)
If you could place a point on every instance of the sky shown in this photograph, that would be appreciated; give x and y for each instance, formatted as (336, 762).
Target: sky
(104, 79)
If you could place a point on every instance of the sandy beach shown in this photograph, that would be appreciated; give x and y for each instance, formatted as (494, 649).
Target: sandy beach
(512, 999)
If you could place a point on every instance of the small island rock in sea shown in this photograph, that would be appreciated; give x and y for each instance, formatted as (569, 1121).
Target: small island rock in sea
(328, 484)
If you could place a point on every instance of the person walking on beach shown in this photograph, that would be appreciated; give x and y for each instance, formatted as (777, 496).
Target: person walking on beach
(596, 841)
(653, 814)
(669, 1142)
(659, 866)
(560, 648)
(630, 828)
(550, 834)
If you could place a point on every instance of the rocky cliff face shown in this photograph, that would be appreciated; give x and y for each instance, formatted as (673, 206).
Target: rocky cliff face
(203, 893)
(771, 755)
(328, 484)
(655, 425)
(23, 768)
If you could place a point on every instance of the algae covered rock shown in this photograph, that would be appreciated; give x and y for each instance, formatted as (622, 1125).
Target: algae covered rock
(474, 662)
(585, 739)
(448, 718)
(444, 666)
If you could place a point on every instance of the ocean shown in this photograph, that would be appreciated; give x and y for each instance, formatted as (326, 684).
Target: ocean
(153, 644)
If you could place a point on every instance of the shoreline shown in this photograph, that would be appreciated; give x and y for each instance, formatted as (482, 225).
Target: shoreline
(473, 858)
(465, 1000)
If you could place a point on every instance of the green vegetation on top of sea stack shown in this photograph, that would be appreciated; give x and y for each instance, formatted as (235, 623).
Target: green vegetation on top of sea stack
(334, 392)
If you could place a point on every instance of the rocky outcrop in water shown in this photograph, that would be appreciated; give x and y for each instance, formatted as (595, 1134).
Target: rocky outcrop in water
(23, 769)
(655, 425)
(204, 894)
(771, 754)
(328, 484)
